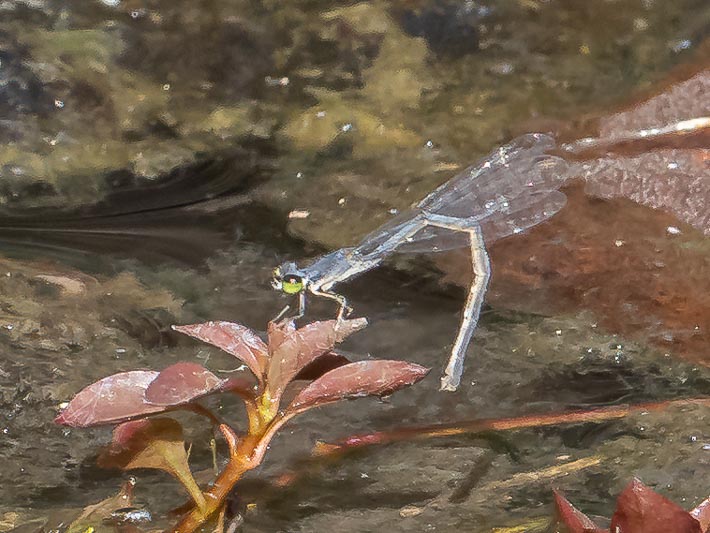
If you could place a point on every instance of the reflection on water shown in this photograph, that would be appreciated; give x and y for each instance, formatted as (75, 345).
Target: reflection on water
(151, 154)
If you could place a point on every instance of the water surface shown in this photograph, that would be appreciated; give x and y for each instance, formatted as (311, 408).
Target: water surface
(158, 160)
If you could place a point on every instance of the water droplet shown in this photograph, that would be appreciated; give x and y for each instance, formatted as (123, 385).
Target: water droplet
(640, 24)
(277, 82)
(503, 68)
(679, 46)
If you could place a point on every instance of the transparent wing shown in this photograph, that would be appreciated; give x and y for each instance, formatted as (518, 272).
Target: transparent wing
(543, 205)
(517, 170)
(380, 240)
(510, 190)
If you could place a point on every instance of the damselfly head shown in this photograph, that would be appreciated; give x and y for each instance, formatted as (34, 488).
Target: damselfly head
(288, 278)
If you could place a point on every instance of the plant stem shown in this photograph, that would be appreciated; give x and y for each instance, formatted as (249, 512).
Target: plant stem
(499, 424)
(248, 454)
(214, 497)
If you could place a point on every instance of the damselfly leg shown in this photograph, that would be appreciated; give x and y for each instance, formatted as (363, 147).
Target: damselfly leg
(343, 310)
(474, 301)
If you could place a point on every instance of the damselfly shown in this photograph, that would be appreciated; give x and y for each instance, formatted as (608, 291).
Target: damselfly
(514, 188)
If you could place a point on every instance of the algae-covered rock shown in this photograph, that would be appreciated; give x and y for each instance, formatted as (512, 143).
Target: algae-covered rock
(84, 106)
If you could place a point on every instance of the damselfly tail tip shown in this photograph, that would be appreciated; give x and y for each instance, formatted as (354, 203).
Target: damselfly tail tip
(449, 383)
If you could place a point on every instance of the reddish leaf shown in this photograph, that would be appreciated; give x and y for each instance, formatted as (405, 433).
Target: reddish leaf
(182, 383)
(113, 399)
(301, 347)
(364, 378)
(702, 514)
(641, 510)
(240, 386)
(575, 520)
(278, 332)
(325, 363)
(155, 443)
(234, 339)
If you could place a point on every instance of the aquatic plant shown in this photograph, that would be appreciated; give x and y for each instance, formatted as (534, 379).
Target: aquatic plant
(140, 440)
(639, 509)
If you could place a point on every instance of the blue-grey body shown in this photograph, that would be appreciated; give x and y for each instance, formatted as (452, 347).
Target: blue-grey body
(514, 188)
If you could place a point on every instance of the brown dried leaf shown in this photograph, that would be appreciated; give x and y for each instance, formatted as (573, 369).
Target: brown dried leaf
(364, 378)
(94, 515)
(155, 443)
(684, 100)
(300, 347)
(235, 339)
(574, 519)
(672, 176)
(113, 399)
(182, 383)
(642, 510)
(702, 514)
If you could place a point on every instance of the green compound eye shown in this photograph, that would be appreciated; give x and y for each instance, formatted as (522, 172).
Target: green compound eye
(292, 284)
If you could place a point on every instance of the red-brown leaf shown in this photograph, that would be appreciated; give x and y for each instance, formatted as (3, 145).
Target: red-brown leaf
(574, 519)
(113, 399)
(152, 443)
(277, 332)
(641, 510)
(301, 347)
(702, 514)
(240, 386)
(182, 383)
(325, 363)
(135, 436)
(235, 339)
(364, 378)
